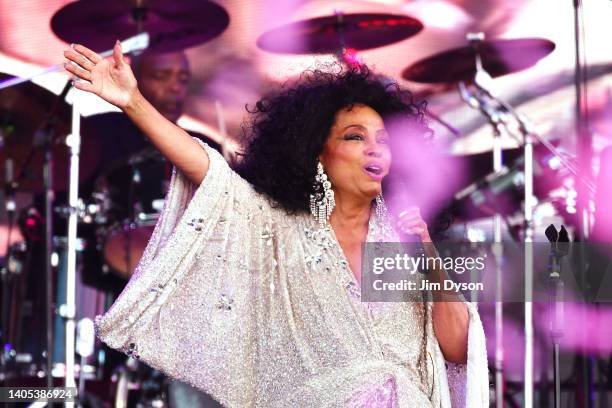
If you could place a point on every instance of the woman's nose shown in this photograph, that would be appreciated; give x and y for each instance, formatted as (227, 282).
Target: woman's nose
(373, 150)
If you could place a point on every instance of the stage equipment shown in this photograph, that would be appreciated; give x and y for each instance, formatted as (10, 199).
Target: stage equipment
(497, 58)
(171, 25)
(467, 66)
(47, 131)
(339, 32)
(68, 310)
(559, 248)
(343, 35)
(130, 197)
(24, 122)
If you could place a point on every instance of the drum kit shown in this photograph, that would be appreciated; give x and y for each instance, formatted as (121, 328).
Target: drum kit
(121, 211)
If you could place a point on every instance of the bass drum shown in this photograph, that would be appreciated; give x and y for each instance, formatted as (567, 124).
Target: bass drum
(131, 196)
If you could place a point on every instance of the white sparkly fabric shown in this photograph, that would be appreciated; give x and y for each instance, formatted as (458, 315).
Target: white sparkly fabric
(260, 309)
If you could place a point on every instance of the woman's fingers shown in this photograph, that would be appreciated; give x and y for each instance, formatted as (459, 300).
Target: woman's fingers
(413, 229)
(118, 53)
(79, 59)
(410, 212)
(78, 71)
(411, 222)
(84, 86)
(87, 53)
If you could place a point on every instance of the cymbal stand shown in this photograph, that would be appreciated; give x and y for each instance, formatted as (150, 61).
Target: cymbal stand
(528, 136)
(497, 123)
(45, 135)
(585, 397)
(496, 118)
(68, 310)
(6, 311)
(529, 266)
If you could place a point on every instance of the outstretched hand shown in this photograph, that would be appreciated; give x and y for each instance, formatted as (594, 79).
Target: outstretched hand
(111, 79)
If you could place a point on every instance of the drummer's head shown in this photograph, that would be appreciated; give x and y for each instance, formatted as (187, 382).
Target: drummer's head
(163, 80)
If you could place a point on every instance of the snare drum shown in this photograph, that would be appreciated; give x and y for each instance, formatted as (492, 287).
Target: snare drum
(131, 196)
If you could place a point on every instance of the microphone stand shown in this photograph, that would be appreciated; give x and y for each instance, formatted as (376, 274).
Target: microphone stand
(559, 247)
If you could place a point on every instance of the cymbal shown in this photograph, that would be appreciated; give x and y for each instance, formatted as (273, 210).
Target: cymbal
(23, 108)
(330, 34)
(172, 25)
(499, 57)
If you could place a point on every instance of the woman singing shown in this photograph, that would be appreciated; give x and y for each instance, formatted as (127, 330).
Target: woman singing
(249, 286)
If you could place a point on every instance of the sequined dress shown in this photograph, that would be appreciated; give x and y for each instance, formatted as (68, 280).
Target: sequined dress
(260, 309)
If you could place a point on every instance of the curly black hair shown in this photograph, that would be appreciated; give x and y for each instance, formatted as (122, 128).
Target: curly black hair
(289, 128)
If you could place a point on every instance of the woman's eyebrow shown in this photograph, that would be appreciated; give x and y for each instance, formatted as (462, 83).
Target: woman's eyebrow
(355, 125)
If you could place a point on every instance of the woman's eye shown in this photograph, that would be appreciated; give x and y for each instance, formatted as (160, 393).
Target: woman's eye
(383, 140)
(354, 136)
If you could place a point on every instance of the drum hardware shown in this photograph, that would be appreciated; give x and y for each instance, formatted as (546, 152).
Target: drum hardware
(343, 35)
(47, 128)
(87, 213)
(45, 133)
(139, 385)
(10, 268)
(584, 144)
(86, 339)
(38, 119)
(32, 118)
(171, 26)
(476, 64)
(12, 274)
(530, 137)
(339, 33)
(131, 197)
(55, 113)
(497, 57)
(74, 142)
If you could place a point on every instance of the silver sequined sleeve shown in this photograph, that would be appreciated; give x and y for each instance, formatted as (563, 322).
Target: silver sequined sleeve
(186, 311)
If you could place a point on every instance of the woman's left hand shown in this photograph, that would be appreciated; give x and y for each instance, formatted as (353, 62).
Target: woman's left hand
(411, 223)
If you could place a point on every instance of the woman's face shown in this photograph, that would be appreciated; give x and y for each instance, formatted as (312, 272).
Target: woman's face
(357, 156)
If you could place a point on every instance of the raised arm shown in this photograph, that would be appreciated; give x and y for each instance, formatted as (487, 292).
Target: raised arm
(112, 79)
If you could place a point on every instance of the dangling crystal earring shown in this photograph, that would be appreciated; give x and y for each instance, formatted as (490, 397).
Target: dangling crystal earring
(381, 207)
(383, 217)
(322, 200)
